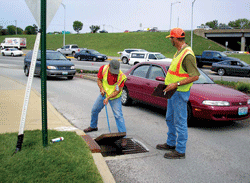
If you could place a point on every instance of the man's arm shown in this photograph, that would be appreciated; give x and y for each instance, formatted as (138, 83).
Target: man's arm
(99, 83)
(188, 80)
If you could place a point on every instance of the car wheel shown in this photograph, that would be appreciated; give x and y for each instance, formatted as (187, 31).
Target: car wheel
(136, 63)
(26, 71)
(12, 54)
(79, 58)
(125, 99)
(73, 53)
(94, 59)
(3, 54)
(221, 71)
(70, 77)
(124, 60)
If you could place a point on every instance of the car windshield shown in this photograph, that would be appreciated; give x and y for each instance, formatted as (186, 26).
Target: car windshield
(94, 52)
(223, 54)
(52, 56)
(160, 56)
(244, 64)
(203, 79)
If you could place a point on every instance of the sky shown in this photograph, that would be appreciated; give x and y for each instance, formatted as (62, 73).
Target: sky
(132, 15)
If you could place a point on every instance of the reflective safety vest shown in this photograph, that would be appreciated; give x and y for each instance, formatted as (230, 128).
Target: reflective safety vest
(111, 88)
(176, 72)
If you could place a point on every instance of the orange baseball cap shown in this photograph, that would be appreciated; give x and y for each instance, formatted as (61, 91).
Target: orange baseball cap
(176, 32)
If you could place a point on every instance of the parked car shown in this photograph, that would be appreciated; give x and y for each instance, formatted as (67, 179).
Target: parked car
(209, 57)
(231, 67)
(90, 55)
(207, 100)
(125, 54)
(103, 31)
(57, 65)
(138, 57)
(11, 52)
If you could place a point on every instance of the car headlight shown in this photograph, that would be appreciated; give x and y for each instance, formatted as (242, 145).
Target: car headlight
(248, 101)
(51, 67)
(99, 56)
(72, 67)
(216, 103)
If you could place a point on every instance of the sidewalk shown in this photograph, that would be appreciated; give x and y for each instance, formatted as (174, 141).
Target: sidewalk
(11, 102)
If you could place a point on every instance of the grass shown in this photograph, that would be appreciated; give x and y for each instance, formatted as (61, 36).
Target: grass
(111, 43)
(66, 161)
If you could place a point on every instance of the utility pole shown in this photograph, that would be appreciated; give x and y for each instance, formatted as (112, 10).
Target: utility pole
(192, 24)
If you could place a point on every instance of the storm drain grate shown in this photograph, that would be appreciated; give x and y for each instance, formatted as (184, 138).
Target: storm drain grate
(115, 148)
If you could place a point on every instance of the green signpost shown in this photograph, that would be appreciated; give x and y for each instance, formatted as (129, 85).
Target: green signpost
(43, 73)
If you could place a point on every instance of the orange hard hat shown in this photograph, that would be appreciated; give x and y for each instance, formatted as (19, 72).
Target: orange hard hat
(176, 32)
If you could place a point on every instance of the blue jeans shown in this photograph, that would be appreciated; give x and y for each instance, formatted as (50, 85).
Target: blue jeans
(116, 106)
(176, 119)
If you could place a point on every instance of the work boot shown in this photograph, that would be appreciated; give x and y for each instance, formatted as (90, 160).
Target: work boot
(165, 147)
(89, 129)
(174, 155)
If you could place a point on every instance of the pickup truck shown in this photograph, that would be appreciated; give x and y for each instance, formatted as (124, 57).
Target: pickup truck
(70, 49)
(138, 57)
(13, 43)
(209, 57)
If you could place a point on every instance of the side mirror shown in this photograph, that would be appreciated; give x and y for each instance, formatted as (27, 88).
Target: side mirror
(159, 78)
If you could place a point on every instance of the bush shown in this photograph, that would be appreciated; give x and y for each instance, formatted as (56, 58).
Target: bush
(243, 87)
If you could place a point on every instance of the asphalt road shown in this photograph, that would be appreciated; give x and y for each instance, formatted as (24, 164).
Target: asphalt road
(216, 152)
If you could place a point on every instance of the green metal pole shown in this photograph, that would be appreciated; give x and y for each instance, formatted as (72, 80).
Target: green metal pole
(43, 73)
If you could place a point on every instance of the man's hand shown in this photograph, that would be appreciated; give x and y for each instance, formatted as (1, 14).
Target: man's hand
(103, 92)
(105, 101)
(170, 87)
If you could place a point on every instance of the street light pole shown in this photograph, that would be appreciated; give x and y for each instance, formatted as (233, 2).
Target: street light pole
(16, 26)
(192, 24)
(64, 6)
(171, 13)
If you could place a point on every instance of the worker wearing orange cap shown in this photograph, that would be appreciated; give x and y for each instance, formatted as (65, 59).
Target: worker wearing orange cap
(181, 75)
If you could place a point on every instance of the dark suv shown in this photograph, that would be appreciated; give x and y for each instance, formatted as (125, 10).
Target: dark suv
(57, 64)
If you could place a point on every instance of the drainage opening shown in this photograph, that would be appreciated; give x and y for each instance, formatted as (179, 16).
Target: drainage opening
(113, 147)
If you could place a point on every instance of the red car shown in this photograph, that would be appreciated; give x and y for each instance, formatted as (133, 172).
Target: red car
(207, 99)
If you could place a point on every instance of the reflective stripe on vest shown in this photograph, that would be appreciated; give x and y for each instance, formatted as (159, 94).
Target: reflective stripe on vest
(177, 72)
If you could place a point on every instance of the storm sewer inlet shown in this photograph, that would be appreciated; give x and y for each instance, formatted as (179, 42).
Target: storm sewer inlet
(111, 146)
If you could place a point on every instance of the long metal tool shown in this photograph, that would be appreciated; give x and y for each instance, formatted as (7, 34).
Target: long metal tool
(106, 108)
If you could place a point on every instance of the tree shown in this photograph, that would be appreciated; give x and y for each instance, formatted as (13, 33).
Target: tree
(30, 30)
(213, 24)
(19, 30)
(94, 28)
(77, 26)
(11, 29)
(240, 23)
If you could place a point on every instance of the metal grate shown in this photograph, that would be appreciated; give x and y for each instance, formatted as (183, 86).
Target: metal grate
(132, 147)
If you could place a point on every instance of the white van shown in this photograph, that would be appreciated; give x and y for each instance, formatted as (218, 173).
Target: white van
(138, 57)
